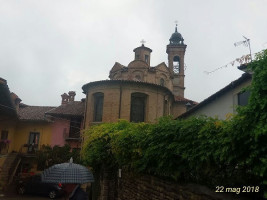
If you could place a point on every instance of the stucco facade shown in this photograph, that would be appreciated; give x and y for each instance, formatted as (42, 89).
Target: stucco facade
(223, 103)
(23, 133)
(67, 121)
(8, 119)
(10, 127)
(58, 127)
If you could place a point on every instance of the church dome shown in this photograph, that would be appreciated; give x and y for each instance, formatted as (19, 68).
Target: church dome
(176, 37)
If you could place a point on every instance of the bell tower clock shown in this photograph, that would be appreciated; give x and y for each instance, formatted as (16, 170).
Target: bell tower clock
(176, 51)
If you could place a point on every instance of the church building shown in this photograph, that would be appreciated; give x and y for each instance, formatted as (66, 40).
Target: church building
(140, 92)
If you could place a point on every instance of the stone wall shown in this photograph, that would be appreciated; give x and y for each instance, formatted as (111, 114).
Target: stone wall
(132, 187)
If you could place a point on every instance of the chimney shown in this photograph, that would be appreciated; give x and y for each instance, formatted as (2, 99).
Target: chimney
(71, 96)
(16, 100)
(65, 99)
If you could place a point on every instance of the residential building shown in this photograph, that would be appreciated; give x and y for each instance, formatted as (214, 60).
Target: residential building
(33, 129)
(24, 129)
(223, 103)
(67, 121)
(8, 118)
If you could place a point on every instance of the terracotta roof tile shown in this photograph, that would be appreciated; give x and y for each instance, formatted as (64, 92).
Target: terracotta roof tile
(33, 113)
(75, 108)
(182, 99)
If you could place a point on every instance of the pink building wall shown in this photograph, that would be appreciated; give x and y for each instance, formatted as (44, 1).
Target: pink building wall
(58, 131)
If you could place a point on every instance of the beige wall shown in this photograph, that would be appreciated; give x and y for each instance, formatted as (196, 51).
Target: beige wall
(178, 108)
(111, 106)
(222, 106)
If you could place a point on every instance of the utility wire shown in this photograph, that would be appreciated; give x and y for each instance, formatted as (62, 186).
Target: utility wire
(242, 60)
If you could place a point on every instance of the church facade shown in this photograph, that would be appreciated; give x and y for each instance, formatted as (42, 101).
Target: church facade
(140, 92)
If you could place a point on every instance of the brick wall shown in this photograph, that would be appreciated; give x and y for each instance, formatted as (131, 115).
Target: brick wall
(115, 108)
(132, 187)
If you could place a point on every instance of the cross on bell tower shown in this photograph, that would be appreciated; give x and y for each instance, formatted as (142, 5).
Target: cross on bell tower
(176, 22)
(143, 42)
(142, 53)
(176, 52)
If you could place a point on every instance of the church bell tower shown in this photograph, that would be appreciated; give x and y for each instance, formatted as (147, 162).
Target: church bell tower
(176, 51)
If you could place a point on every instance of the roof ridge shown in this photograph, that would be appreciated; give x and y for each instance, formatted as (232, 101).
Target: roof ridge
(40, 106)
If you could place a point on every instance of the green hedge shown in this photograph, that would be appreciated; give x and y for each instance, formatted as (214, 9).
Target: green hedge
(201, 150)
(48, 156)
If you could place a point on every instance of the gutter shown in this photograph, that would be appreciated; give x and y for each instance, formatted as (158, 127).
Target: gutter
(120, 102)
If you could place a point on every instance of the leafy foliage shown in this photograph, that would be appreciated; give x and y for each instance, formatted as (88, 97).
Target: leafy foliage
(48, 156)
(201, 150)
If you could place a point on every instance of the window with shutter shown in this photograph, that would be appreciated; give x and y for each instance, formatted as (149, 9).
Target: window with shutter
(75, 127)
(243, 98)
(98, 106)
(138, 104)
(4, 135)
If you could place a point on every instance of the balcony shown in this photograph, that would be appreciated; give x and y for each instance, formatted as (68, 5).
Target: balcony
(28, 150)
(72, 137)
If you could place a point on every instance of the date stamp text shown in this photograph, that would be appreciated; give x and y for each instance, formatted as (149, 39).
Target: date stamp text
(238, 190)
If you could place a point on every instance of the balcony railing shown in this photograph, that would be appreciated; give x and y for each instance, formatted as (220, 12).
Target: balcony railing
(28, 149)
(71, 136)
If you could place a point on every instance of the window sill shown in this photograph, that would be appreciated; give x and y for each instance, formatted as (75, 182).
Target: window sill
(95, 123)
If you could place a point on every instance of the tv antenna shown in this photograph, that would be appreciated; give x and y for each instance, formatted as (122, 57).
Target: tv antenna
(246, 43)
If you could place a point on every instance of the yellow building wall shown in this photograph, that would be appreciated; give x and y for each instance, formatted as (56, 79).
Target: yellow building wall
(9, 126)
(2, 160)
(23, 132)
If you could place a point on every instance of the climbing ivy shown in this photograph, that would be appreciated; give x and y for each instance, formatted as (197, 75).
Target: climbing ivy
(203, 150)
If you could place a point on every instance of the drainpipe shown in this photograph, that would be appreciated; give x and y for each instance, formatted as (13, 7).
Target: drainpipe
(84, 120)
(120, 102)
(85, 111)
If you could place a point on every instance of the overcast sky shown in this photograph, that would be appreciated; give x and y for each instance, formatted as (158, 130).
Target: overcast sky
(48, 47)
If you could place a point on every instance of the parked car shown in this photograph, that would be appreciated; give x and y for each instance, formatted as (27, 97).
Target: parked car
(34, 185)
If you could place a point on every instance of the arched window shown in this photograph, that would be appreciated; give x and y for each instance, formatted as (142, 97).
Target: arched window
(176, 64)
(165, 108)
(98, 106)
(138, 105)
(146, 58)
(162, 82)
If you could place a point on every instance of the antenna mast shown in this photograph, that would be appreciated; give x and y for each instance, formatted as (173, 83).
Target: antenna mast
(246, 43)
